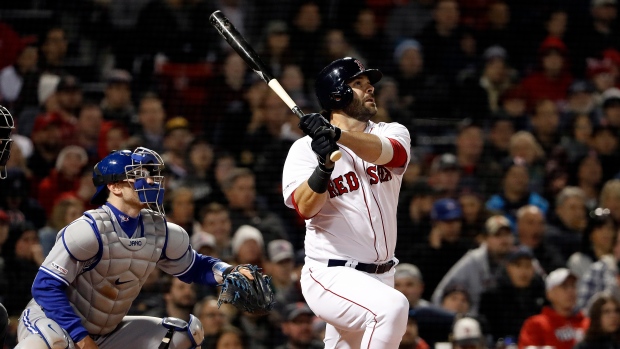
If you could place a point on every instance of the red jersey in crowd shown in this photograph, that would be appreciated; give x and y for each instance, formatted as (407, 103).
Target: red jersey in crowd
(552, 329)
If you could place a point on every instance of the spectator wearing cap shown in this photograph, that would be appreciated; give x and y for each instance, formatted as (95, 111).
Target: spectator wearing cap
(602, 275)
(239, 187)
(478, 269)
(422, 94)
(69, 97)
(434, 323)
(597, 241)
(559, 325)
(531, 228)
(443, 246)
(515, 191)
(47, 138)
(204, 243)
(456, 300)
(247, 246)
(116, 104)
(497, 142)
(513, 103)
(215, 220)
(581, 101)
(611, 107)
(600, 34)
(414, 218)
(177, 137)
(466, 333)
(297, 327)
(479, 93)
(519, 294)
(445, 174)
(569, 221)
(408, 280)
(64, 177)
(552, 79)
(151, 118)
(276, 52)
(280, 266)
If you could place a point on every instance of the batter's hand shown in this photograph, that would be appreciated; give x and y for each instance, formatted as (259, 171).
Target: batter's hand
(87, 343)
(323, 144)
(311, 123)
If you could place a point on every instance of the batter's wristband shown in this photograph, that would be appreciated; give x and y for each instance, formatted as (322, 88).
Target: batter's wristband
(319, 180)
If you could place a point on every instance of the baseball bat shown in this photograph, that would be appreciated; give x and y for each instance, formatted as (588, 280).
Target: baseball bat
(245, 51)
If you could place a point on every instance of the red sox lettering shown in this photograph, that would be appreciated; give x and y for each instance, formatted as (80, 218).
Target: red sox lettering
(349, 182)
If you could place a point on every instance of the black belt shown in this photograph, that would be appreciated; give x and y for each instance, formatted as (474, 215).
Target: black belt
(369, 268)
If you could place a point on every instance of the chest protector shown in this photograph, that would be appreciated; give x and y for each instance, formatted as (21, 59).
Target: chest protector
(102, 295)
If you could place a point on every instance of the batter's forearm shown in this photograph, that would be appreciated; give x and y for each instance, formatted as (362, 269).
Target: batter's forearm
(366, 146)
(307, 201)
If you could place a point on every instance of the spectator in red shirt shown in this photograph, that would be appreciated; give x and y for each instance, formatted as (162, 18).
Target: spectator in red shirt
(558, 325)
(65, 176)
(553, 79)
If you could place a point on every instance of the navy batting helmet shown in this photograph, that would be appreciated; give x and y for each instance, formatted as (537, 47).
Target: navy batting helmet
(137, 165)
(331, 84)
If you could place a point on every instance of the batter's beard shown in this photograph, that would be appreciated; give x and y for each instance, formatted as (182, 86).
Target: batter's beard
(358, 111)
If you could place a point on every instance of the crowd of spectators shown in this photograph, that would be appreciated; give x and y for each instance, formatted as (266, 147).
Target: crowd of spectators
(509, 213)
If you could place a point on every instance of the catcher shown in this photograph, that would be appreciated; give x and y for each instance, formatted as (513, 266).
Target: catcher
(100, 261)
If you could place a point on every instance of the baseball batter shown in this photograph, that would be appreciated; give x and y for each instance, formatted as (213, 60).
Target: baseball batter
(350, 209)
(100, 261)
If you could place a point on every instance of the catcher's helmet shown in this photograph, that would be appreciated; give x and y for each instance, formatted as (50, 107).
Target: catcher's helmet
(137, 165)
(6, 127)
(331, 84)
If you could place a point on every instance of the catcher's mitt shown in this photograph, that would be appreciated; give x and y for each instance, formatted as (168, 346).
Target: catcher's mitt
(254, 296)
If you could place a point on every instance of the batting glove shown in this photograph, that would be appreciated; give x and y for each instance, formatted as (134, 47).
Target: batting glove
(311, 123)
(323, 144)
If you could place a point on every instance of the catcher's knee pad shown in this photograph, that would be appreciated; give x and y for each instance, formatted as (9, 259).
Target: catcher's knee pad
(195, 331)
(49, 336)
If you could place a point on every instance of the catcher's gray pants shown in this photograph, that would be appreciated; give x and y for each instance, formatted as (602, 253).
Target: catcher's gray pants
(135, 332)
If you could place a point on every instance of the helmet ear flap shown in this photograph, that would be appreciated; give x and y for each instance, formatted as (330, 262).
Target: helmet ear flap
(341, 97)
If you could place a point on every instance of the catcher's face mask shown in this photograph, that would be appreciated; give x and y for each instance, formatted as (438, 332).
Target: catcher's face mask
(6, 127)
(145, 173)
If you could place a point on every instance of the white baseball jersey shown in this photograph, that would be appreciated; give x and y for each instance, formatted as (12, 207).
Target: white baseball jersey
(358, 221)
